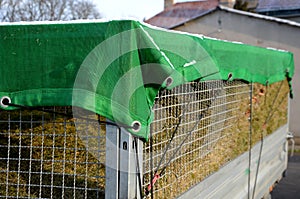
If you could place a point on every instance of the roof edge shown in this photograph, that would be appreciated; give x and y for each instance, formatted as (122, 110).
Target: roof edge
(200, 15)
(250, 14)
(276, 9)
(77, 21)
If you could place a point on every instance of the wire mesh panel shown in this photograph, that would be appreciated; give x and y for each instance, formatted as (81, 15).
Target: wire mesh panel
(190, 133)
(198, 127)
(49, 155)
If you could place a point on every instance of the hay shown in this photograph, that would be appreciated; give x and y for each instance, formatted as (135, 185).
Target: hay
(195, 162)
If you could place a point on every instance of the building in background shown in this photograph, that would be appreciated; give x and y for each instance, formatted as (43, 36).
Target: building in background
(282, 9)
(214, 20)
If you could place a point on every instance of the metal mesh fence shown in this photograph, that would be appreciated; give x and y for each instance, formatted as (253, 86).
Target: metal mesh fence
(48, 155)
(59, 152)
(198, 127)
(200, 116)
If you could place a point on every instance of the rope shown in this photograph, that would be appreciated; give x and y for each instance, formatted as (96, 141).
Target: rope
(250, 140)
(138, 170)
(267, 88)
(279, 104)
(156, 176)
(272, 105)
(258, 165)
(181, 144)
(151, 159)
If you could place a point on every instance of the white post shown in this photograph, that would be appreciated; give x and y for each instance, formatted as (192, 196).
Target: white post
(129, 170)
(122, 178)
(112, 162)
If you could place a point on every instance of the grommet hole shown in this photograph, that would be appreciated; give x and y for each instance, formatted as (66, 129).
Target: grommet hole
(136, 126)
(229, 76)
(169, 81)
(5, 101)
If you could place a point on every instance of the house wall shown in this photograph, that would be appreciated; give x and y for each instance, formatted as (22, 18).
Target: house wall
(255, 31)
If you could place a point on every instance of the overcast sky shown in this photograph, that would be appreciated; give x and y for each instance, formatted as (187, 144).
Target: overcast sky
(139, 9)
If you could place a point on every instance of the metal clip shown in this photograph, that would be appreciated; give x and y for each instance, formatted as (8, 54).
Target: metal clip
(290, 137)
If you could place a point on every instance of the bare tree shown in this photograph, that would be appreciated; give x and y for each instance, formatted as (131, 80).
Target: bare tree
(47, 10)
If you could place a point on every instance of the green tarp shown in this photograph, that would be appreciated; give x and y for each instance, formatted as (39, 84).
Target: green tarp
(116, 68)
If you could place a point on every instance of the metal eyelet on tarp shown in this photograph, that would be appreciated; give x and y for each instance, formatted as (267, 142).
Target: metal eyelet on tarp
(136, 126)
(229, 76)
(169, 81)
(5, 101)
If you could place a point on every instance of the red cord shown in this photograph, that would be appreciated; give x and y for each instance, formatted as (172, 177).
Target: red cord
(156, 177)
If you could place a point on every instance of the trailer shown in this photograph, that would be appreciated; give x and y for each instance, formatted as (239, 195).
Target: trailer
(122, 109)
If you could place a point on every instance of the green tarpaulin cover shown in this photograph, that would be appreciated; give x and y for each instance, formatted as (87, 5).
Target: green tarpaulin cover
(116, 68)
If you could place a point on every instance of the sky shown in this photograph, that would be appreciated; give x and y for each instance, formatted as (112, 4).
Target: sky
(138, 9)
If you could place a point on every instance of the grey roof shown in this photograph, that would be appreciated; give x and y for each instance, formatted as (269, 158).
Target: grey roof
(259, 16)
(277, 5)
(166, 19)
(180, 13)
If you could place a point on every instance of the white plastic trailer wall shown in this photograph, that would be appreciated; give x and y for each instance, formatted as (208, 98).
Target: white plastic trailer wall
(231, 181)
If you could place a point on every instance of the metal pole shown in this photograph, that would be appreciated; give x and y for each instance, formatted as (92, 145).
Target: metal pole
(112, 162)
(123, 164)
